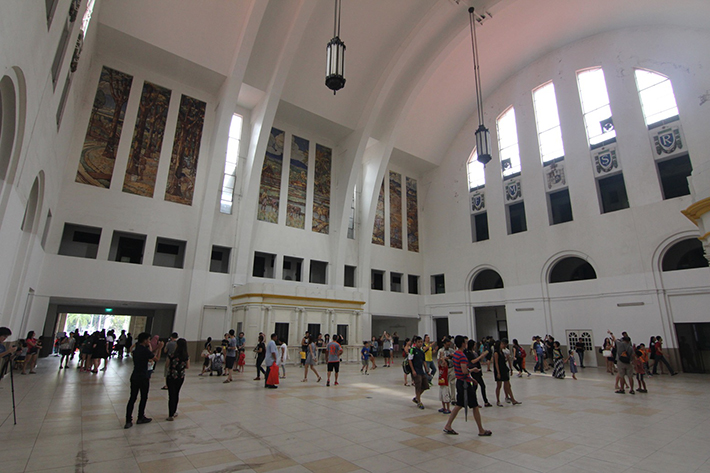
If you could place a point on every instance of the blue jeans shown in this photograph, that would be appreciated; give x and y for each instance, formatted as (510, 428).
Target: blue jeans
(432, 369)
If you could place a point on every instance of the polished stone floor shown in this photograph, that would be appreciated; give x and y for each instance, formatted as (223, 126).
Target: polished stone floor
(73, 422)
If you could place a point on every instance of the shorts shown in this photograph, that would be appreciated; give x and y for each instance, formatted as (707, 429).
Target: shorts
(625, 369)
(66, 352)
(229, 362)
(364, 362)
(444, 394)
(387, 353)
(471, 400)
(206, 362)
(420, 382)
(334, 366)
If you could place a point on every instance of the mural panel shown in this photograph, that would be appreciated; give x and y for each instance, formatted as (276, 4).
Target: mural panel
(297, 183)
(270, 187)
(321, 192)
(412, 216)
(186, 151)
(378, 230)
(98, 155)
(147, 140)
(395, 210)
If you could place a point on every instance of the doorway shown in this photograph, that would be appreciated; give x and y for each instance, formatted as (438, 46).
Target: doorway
(586, 336)
(441, 325)
(491, 321)
(694, 346)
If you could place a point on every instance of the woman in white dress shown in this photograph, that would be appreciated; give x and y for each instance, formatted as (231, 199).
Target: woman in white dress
(311, 359)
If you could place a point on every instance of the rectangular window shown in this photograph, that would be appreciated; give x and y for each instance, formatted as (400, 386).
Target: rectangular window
(479, 227)
(342, 331)
(314, 329)
(508, 143)
(438, 285)
(516, 218)
(59, 54)
(378, 280)
(657, 98)
(281, 331)
(80, 241)
(476, 172)
(396, 282)
(318, 273)
(292, 268)
(350, 276)
(595, 107)
(547, 118)
(219, 259)
(612, 193)
(127, 247)
(230, 164)
(169, 253)
(560, 207)
(413, 283)
(263, 265)
(351, 218)
(674, 174)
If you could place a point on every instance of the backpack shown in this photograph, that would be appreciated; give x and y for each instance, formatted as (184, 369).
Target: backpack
(217, 362)
(406, 368)
(624, 356)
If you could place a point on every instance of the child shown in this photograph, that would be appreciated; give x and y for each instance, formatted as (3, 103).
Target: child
(572, 364)
(303, 358)
(365, 357)
(444, 393)
(205, 360)
(241, 361)
(217, 362)
(640, 364)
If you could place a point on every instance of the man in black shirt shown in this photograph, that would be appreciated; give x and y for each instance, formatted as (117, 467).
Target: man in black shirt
(140, 380)
(419, 370)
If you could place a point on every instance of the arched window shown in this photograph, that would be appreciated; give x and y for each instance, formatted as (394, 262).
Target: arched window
(686, 254)
(487, 279)
(476, 172)
(508, 143)
(595, 106)
(571, 268)
(32, 207)
(657, 97)
(7, 124)
(547, 119)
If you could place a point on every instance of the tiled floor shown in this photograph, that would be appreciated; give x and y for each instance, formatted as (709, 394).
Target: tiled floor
(73, 422)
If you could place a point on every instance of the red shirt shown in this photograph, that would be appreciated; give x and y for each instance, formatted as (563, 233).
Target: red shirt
(458, 359)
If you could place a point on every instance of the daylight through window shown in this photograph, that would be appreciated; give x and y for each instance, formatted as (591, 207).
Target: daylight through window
(547, 119)
(595, 106)
(508, 143)
(476, 172)
(230, 165)
(657, 98)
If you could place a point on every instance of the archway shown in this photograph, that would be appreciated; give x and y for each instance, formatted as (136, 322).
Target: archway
(571, 268)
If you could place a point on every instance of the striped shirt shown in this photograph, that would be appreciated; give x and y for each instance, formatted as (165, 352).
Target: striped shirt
(459, 358)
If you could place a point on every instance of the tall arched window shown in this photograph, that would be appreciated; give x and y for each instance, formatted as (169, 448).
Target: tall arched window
(547, 120)
(7, 124)
(595, 106)
(686, 254)
(508, 143)
(571, 268)
(657, 97)
(476, 172)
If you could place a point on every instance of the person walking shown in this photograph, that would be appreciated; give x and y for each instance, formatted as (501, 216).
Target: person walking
(420, 373)
(334, 351)
(231, 356)
(558, 360)
(519, 356)
(579, 348)
(660, 357)
(140, 379)
(465, 391)
(272, 360)
(625, 354)
(428, 349)
(260, 351)
(66, 348)
(33, 346)
(311, 359)
(177, 363)
(475, 369)
(283, 356)
(168, 350)
(502, 373)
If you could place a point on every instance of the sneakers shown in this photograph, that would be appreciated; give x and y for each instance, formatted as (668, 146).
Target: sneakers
(144, 420)
(128, 425)
(420, 406)
(170, 419)
(327, 383)
(336, 383)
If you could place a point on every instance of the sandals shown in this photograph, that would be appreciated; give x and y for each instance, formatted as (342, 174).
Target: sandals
(319, 378)
(485, 433)
(515, 403)
(450, 432)
(488, 404)
(499, 404)
(304, 380)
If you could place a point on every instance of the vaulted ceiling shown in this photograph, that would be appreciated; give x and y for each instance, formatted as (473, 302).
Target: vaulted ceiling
(421, 48)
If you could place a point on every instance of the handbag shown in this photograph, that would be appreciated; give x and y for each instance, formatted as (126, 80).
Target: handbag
(606, 353)
(273, 379)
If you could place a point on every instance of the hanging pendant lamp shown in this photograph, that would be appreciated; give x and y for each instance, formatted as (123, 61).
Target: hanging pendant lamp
(335, 56)
(483, 136)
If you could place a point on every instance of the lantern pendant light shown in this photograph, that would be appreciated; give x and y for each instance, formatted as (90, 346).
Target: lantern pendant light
(483, 136)
(335, 56)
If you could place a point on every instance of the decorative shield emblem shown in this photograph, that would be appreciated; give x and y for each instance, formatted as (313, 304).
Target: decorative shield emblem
(606, 161)
(512, 190)
(555, 176)
(667, 141)
(477, 202)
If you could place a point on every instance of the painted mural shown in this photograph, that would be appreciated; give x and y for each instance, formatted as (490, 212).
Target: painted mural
(270, 188)
(186, 151)
(98, 155)
(297, 183)
(395, 210)
(378, 230)
(321, 192)
(412, 216)
(147, 142)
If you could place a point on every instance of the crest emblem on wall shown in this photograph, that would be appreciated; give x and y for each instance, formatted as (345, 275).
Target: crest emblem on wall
(513, 190)
(555, 176)
(667, 141)
(478, 201)
(606, 160)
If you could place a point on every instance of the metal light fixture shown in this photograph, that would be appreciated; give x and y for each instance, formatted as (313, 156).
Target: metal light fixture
(483, 136)
(335, 52)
